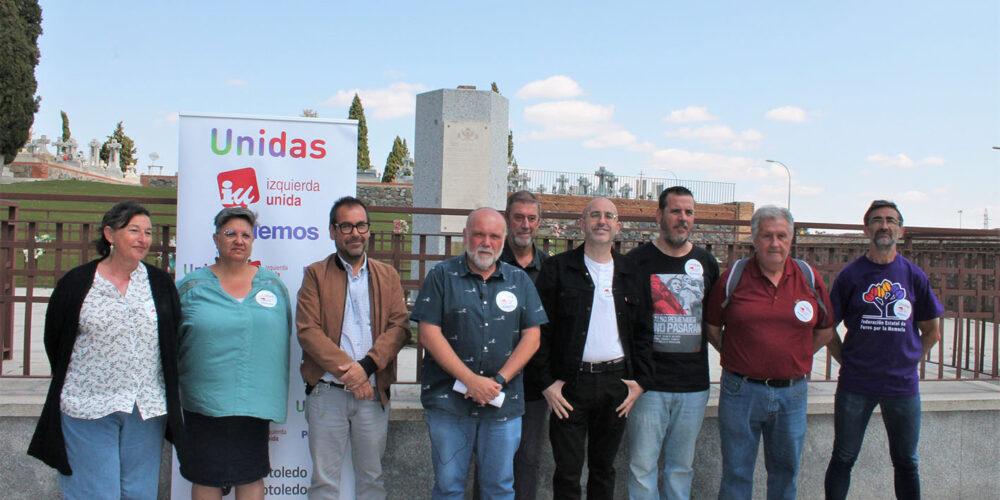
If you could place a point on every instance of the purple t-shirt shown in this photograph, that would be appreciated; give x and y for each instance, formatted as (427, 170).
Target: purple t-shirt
(880, 305)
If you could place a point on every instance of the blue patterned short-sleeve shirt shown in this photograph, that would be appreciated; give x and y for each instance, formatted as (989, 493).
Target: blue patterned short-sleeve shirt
(482, 321)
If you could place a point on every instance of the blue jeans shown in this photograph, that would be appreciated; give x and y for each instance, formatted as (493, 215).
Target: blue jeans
(666, 422)
(851, 413)
(747, 409)
(454, 437)
(117, 456)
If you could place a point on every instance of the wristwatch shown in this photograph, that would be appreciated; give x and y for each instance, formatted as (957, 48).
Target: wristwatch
(500, 380)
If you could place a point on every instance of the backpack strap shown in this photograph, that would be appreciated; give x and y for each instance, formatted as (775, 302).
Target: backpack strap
(811, 280)
(734, 279)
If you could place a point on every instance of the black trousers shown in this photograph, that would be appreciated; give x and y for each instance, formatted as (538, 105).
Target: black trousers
(594, 426)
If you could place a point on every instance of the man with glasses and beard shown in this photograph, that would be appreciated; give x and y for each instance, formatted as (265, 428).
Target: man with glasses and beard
(594, 358)
(479, 321)
(352, 323)
(667, 417)
(892, 319)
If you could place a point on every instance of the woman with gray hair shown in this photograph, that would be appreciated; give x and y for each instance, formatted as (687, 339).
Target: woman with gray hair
(233, 364)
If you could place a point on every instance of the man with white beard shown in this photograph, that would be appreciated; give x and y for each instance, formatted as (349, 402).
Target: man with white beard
(479, 321)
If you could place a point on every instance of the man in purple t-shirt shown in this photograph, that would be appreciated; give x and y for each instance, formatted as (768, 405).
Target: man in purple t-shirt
(892, 320)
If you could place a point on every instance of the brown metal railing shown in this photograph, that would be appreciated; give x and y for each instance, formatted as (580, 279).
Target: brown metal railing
(963, 266)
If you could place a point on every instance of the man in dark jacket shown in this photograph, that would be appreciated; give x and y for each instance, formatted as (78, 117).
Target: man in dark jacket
(594, 358)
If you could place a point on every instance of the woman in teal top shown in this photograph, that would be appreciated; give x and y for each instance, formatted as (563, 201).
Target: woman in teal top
(234, 337)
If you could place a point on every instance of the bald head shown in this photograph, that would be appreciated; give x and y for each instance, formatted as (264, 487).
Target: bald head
(600, 222)
(601, 204)
(484, 214)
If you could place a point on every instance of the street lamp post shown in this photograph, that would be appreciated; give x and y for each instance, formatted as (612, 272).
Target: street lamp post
(789, 172)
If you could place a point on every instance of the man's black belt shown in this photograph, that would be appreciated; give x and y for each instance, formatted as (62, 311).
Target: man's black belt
(603, 366)
(771, 382)
(331, 384)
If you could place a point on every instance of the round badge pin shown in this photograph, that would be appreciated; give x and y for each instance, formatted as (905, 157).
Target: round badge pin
(266, 298)
(902, 309)
(693, 268)
(803, 311)
(506, 301)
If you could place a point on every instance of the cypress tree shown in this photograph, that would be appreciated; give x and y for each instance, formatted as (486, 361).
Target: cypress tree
(20, 25)
(128, 151)
(357, 112)
(65, 126)
(394, 161)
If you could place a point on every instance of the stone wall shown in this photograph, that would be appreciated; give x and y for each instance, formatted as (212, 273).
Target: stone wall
(389, 194)
(52, 171)
(158, 180)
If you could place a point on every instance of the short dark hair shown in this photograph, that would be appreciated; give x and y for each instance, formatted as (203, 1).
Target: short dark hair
(674, 190)
(347, 201)
(116, 218)
(227, 214)
(523, 197)
(882, 204)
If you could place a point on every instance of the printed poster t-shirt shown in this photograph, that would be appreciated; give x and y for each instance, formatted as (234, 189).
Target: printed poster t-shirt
(880, 305)
(678, 287)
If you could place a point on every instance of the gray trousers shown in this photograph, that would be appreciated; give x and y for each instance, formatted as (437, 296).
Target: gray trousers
(335, 417)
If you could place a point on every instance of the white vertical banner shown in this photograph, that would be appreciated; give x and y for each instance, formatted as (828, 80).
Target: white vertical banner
(289, 171)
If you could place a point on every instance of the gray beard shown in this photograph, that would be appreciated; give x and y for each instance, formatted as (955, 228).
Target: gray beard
(674, 242)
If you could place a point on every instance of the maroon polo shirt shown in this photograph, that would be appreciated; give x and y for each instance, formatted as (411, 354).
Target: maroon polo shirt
(767, 332)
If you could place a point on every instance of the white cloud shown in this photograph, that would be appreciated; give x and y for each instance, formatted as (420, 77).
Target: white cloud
(553, 87)
(786, 114)
(166, 118)
(934, 161)
(912, 197)
(720, 136)
(643, 147)
(717, 166)
(617, 138)
(569, 119)
(235, 82)
(690, 114)
(899, 160)
(397, 100)
(549, 113)
(580, 119)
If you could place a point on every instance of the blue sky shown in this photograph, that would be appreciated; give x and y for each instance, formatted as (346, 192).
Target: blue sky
(862, 100)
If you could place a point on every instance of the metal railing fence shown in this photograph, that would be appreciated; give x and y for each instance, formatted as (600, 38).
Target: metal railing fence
(963, 266)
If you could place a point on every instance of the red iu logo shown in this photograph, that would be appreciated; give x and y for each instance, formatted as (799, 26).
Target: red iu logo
(238, 188)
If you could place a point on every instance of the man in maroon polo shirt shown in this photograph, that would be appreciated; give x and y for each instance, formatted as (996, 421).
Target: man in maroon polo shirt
(767, 330)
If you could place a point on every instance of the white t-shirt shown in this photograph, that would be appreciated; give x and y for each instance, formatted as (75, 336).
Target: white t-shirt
(603, 342)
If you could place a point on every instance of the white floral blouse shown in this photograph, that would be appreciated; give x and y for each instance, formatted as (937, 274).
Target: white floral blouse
(116, 362)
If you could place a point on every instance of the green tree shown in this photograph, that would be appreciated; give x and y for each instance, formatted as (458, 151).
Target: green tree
(65, 123)
(395, 160)
(494, 88)
(128, 151)
(510, 147)
(20, 25)
(357, 112)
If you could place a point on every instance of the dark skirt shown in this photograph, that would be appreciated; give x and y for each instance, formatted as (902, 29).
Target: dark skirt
(225, 451)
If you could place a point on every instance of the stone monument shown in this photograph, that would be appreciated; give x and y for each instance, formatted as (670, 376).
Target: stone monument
(461, 153)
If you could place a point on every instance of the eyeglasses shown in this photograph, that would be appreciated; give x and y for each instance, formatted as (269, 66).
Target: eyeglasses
(347, 227)
(229, 233)
(595, 215)
(878, 221)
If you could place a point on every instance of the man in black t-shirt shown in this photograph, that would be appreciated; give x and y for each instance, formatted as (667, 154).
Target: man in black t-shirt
(668, 415)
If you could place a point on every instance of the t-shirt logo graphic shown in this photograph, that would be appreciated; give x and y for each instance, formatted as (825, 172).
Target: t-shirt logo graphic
(883, 295)
(238, 188)
(677, 305)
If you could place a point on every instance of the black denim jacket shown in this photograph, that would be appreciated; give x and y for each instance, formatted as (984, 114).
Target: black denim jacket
(567, 292)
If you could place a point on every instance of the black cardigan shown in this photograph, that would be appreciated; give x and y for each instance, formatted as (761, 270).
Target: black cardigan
(61, 326)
